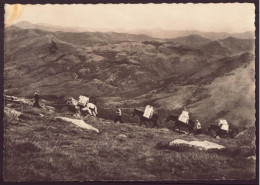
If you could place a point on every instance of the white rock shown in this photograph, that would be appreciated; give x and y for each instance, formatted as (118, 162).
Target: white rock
(122, 136)
(41, 115)
(20, 100)
(251, 157)
(79, 123)
(201, 144)
(165, 129)
(11, 112)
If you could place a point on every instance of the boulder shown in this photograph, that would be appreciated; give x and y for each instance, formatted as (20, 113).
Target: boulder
(205, 145)
(18, 100)
(251, 157)
(164, 129)
(25, 101)
(79, 123)
(49, 108)
(12, 112)
(41, 115)
(121, 137)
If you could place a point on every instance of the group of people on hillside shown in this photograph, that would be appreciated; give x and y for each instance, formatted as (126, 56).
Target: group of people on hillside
(183, 117)
(90, 107)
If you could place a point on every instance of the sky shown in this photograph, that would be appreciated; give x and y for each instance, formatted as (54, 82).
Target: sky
(220, 17)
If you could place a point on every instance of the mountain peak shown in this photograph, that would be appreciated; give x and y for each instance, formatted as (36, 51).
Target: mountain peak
(24, 22)
(231, 38)
(193, 40)
(25, 25)
(195, 36)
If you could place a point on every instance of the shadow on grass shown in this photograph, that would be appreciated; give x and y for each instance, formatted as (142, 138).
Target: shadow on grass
(26, 147)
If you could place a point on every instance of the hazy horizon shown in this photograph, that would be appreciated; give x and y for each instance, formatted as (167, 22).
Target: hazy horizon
(115, 30)
(224, 17)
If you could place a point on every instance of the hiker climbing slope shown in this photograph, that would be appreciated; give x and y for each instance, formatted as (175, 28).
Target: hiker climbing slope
(118, 115)
(197, 127)
(36, 99)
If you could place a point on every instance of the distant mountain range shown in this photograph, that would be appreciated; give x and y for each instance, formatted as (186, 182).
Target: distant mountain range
(157, 33)
(160, 33)
(213, 78)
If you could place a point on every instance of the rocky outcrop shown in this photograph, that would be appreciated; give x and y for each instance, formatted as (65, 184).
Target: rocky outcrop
(12, 113)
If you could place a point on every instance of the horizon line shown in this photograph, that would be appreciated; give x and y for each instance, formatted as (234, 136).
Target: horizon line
(122, 29)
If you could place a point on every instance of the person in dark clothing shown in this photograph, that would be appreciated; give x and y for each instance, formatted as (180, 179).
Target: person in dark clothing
(36, 99)
(197, 127)
(118, 115)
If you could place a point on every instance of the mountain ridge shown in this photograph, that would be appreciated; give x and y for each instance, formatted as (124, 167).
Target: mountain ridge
(115, 70)
(156, 33)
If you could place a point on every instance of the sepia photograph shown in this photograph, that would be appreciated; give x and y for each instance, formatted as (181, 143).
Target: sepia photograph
(130, 92)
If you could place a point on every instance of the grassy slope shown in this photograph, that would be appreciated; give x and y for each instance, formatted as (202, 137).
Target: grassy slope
(230, 97)
(44, 149)
(167, 99)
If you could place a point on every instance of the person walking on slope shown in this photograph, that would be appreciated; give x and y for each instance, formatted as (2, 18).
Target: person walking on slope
(118, 115)
(197, 127)
(36, 99)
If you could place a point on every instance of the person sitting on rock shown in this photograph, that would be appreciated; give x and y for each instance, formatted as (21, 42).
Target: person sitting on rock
(36, 99)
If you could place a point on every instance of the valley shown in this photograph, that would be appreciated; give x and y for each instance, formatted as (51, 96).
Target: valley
(212, 78)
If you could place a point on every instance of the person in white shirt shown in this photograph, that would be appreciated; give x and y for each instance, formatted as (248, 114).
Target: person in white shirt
(118, 115)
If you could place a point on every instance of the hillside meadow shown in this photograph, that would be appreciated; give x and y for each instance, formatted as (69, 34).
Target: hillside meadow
(39, 147)
(213, 78)
(135, 70)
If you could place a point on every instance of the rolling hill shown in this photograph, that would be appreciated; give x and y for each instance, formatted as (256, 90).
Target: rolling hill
(212, 78)
(40, 147)
(161, 33)
(191, 40)
(155, 33)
